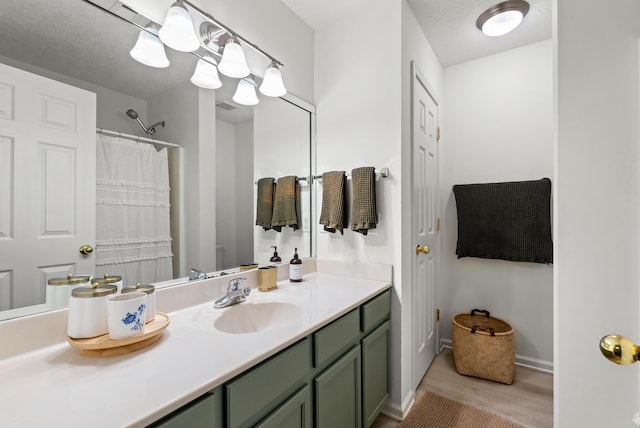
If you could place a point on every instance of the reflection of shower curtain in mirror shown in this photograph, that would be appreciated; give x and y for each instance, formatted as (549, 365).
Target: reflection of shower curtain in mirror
(133, 237)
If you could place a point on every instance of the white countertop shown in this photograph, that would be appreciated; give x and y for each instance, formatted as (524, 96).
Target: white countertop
(56, 386)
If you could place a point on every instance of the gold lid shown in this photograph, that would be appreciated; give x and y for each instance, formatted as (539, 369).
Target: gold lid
(107, 279)
(69, 280)
(96, 290)
(138, 287)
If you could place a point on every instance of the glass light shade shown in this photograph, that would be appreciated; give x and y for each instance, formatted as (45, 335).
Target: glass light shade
(206, 74)
(502, 23)
(149, 50)
(272, 85)
(233, 62)
(246, 93)
(177, 31)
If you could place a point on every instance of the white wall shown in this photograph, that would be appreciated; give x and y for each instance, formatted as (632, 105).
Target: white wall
(226, 219)
(498, 127)
(245, 214)
(596, 209)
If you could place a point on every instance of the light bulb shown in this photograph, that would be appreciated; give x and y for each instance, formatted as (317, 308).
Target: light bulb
(149, 50)
(272, 85)
(177, 31)
(246, 93)
(233, 62)
(206, 74)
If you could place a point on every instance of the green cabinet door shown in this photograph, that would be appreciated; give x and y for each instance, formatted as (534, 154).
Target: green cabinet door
(375, 390)
(294, 413)
(338, 394)
(205, 411)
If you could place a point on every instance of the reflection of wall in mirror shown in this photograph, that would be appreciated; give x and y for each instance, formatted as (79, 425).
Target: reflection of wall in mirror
(281, 148)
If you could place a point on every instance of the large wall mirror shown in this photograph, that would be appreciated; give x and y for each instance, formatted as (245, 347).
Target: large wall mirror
(209, 180)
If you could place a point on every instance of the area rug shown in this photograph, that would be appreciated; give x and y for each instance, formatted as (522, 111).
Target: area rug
(436, 411)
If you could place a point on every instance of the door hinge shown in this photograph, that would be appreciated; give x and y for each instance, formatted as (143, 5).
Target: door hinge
(438, 133)
(437, 315)
(438, 224)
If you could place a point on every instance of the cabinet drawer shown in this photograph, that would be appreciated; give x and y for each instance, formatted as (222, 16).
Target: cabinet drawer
(252, 395)
(335, 337)
(376, 311)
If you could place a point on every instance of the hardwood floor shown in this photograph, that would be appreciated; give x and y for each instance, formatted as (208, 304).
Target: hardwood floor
(528, 401)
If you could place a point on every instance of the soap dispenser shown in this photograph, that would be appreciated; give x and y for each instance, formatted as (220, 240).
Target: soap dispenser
(275, 258)
(295, 268)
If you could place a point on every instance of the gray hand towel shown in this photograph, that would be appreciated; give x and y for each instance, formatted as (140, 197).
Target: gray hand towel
(364, 214)
(264, 203)
(286, 203)
(332, 215)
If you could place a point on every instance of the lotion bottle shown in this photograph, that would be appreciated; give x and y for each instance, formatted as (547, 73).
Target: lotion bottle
(275, 258)
(295, 268)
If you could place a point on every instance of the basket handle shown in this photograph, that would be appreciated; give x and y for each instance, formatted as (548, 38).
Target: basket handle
(483, 311)
(475, 328)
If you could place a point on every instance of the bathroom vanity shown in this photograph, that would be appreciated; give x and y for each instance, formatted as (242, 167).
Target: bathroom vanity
(307, 354)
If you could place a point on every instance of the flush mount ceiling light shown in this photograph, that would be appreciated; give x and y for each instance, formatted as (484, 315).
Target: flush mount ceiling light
(502, 18)
(272, 85)
(177, 31)
(148, 49)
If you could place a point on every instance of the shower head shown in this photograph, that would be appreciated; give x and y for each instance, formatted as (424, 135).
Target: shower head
(134, 115)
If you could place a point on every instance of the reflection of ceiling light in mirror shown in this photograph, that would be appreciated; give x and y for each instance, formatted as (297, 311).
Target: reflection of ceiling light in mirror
(246, 92)
(206, 74)
(502, 18)
(272, 85)
(149, 50)
(177, 31)
(233, 62)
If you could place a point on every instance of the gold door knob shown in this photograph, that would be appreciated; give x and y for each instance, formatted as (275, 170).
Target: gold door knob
(423, 250)
(86, 249)
(619, 349)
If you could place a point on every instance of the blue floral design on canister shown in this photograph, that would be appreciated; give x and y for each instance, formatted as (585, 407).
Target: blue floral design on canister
(129, 318)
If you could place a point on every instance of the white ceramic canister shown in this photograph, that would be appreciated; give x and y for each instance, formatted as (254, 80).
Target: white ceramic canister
(109, 280)
(150, 313)
(59, 289)
(88, 311)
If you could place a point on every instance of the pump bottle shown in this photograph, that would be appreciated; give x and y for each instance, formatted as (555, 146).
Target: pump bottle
(275, 258)
(295, 268)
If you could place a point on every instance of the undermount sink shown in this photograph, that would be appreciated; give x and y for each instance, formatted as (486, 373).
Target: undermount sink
(254, 317)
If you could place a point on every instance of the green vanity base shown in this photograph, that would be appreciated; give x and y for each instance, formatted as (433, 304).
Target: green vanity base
(335, 377)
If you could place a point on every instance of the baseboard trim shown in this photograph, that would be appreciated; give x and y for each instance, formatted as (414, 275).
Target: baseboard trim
(521, 360)
(398, 412)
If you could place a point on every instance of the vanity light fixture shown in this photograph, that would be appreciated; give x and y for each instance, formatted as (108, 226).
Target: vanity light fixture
(272, 85)
(246, 92)
(148, 49)
(177, 32)
(206, 74)
(502, 18)
(233, 62)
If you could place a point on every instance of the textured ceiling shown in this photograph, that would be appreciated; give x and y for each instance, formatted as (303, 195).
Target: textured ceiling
(450, 25)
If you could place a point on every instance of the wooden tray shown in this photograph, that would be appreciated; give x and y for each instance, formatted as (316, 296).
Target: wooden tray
(103, 346)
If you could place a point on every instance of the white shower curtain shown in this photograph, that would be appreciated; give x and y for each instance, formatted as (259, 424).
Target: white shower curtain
(133, 238)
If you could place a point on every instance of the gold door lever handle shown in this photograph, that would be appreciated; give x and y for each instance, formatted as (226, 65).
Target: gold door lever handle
(423, 250)
(618, 349)
(86, 249)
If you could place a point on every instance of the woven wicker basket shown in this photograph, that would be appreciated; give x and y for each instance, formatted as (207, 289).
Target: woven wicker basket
(483, 346)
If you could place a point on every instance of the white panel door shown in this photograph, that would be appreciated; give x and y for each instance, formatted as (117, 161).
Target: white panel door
(425, 206)
(47, 184)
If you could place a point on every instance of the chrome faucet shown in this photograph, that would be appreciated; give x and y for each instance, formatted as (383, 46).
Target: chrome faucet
(197, 274)
(234, 295)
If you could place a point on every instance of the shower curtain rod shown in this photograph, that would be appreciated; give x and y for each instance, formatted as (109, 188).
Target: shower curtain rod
(135, 138)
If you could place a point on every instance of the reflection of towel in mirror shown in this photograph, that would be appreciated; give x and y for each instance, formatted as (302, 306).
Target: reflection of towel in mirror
(364, 214)
(286, 203)
(264, 203)
(332, 215)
